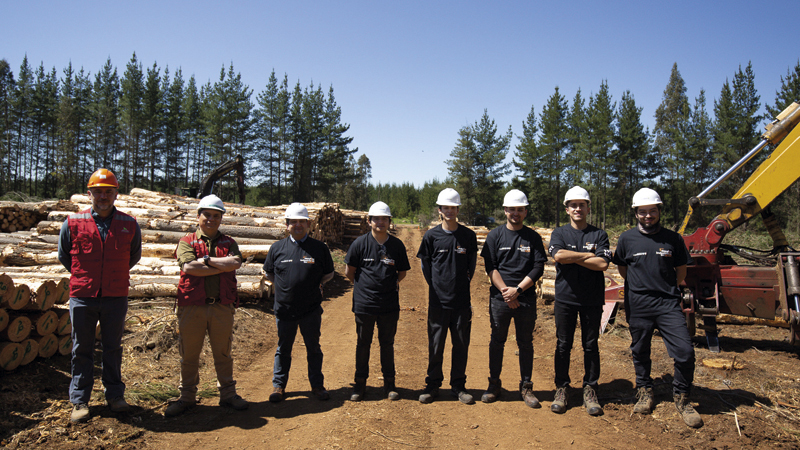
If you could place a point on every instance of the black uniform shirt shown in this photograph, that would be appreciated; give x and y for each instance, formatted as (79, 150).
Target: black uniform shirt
(375, 287)
(298, 268)
(448, 263)
(515, 255)
(651, 286)
(575, 284)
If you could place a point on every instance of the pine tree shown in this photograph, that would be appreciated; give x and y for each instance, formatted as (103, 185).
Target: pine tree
(600, 134)
(579, 169)
(672, 124)
(788, 93)
(632, 150)
(131, 114)
(105, 147)
(6, 121)
(153, 121)
(461, 172)
(553, 144)
(526, 162)
(174, 131)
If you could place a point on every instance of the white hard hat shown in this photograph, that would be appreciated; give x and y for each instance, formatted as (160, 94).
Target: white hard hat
(515, 197)
(296, 211)
(646, 196)
(576, 193)
(379, 209)
(211, 202)
(449, 197)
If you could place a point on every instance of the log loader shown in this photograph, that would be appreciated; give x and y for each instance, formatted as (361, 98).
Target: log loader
(768, 287)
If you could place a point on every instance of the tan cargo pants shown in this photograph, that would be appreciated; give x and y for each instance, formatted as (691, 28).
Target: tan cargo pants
(193, 323)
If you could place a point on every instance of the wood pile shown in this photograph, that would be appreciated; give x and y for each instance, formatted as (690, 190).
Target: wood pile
(15, 216)
(30, 323)
(355, 223)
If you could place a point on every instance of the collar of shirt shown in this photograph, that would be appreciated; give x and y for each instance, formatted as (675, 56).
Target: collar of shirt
(97, 217)
(301, 240)
(200, 235)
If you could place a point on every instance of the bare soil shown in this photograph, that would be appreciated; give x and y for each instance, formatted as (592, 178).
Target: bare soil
(756, 406)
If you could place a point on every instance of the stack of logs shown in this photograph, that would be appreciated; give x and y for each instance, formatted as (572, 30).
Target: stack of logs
(354, 225)
(29, 324)
(16, 216)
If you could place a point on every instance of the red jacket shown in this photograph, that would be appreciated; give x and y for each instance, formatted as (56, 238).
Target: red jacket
(192, 289)
(100, 268)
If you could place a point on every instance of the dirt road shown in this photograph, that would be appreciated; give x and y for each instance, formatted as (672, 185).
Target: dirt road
(754, 407)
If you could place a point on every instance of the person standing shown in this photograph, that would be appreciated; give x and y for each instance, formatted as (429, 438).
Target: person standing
(298, 266)
(581, 252)
(514, 258)
(98, 246)
(653, 261)
(207, 301)
(448, 253)
(376, 263)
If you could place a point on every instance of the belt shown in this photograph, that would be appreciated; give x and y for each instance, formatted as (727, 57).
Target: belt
(212, 300)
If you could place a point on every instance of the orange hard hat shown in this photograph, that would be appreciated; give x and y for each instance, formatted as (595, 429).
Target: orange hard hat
(103, 178)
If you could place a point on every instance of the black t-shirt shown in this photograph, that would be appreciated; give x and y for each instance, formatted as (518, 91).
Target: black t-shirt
(375, 287)
(515, 255)
(575, 284)
(651, 284)
(448, 263)
(298, 268)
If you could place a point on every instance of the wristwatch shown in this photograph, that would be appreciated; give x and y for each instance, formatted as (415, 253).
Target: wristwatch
(205, 259)
(519, 290)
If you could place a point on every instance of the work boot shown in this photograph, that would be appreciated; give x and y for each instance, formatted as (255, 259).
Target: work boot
(526, 390)
(236, 402)
(321, 393)
(80, 413)
(590, 402)
(358, 390)
(429, 394)
(559, 404)
(687, 412)
(278, 393)
(389, 389)
(646, 402)
(118, 405)
(177, 408)
(460, 392)
(493, 391)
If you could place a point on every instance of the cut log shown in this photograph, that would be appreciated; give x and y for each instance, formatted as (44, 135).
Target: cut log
(41, 293)
(48, 345)
(65, 345)
(18, 329)
(44, 323)
(10, 355)
(61, 294)
(6, 289)
(64, 322)
(19, 298)
(3, 319)
(30, 350)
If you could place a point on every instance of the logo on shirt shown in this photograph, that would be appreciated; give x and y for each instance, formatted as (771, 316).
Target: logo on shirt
(590, 246)
(307, 260)
(460, 250)
(125, 230)
(640, 254)
(387, 261)
(368, 259)
(665, 252)
(443, 250)
(525, 249)
(504, 248)
(287, 260)
(607, 253)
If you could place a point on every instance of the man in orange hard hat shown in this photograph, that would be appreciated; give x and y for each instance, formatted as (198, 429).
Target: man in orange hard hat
(98, 246)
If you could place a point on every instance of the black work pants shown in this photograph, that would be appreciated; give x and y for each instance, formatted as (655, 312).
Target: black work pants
(459, 323)
(675, 334)
(566, 321)
(387, 329)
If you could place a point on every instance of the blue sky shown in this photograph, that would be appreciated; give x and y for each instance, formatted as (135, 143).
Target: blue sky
(409, 74)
